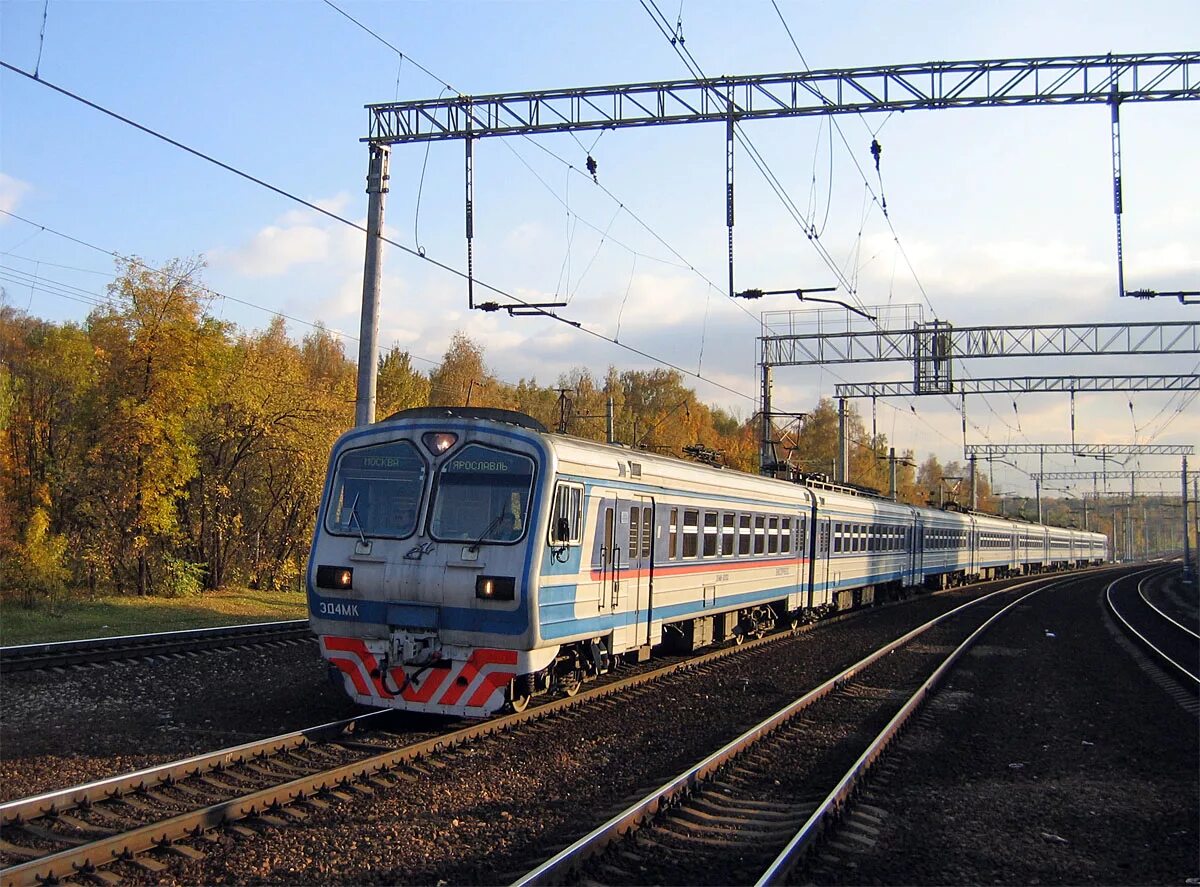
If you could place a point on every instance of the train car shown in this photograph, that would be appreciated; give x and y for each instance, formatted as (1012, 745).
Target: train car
(465, 560)
(994, 549)
(864, 546)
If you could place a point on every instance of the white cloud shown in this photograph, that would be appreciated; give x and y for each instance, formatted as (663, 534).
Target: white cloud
(275, 250)
(12, 191)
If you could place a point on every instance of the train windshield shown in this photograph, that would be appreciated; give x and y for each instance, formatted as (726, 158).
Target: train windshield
(377, 491)
(482, 496)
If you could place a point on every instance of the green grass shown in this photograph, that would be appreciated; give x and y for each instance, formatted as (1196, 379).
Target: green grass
(72, 619)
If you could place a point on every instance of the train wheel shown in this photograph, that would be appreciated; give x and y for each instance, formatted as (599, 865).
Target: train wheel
(520, 691)
(571, 683)
(739, 638)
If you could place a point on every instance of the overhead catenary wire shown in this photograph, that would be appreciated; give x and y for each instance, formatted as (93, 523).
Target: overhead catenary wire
(404, 248)
(689, 61)
(571, 169)
(878, 200)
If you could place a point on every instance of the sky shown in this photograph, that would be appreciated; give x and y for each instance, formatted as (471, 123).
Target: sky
(998, 216)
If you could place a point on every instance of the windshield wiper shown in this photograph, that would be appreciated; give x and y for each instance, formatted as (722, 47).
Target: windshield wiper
(495, 523)
(353, 518)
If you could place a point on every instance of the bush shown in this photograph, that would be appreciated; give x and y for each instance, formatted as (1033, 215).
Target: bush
(181, 578)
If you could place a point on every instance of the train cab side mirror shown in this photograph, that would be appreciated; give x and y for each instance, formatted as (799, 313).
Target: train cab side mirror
(562, 530)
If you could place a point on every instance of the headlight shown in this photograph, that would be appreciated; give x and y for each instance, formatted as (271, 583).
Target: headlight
(335, 577)
(495, 588)
(437, 442)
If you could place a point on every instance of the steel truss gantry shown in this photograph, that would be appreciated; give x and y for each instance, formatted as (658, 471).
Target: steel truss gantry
(875, 346)
(1060, 80)
(1026, 385)
(1068, 449)
(1041, 476)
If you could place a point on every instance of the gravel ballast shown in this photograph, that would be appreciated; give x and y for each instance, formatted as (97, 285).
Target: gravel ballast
(482, 813)
(1050, 757)
(63, 728)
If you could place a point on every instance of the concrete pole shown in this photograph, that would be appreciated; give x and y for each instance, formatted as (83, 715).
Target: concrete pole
(843, 445)
(1037, 484)
(892, 473)
(766, 453)
(368, 337)
(1129, 514)
(1196, 521)
(971, 498)
(1187, 554)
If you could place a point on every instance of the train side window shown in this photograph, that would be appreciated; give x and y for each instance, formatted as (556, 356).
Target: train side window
(710, 534)
(728, 533)
(837, 538)
(772, 535)
(785, 535)
(635, 526)
(606, 552)
(690, 532)
(647, 530)
(568, 506)
(759, 534)
(744, 534)
(673, 535)
(854, 537)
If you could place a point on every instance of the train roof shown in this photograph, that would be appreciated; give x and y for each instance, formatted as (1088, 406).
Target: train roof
(491, 414)
(647, 457)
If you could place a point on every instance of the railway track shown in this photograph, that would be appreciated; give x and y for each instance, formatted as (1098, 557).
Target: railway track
(65, 654)
(87, 829)
(1174, 646)
(129, 823)
(748, 812)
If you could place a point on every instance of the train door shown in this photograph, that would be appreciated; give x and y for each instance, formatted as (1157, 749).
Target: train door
(629, 599)
(609, 560)
(825, 546)
(640, 577)
(916, 551)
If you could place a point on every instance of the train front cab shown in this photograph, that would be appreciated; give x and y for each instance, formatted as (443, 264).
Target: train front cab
(422, 574)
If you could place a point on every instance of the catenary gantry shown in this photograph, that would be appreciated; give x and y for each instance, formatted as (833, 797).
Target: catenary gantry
(1059, 80)
(873, 346)
(1073, 449)
(1027, 385)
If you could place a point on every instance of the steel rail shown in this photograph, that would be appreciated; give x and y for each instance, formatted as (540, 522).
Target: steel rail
(834, 802)
(1149, 644)
(29, 657)
(88, 858)
(1149, 603)
(553, 869)
(52, 803)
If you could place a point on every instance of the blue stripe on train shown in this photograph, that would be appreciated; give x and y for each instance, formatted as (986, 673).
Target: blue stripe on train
(556, 606)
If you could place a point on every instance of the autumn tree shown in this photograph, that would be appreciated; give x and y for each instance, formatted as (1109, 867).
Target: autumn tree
(154, 355)
(399, 386)
(461, 372)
